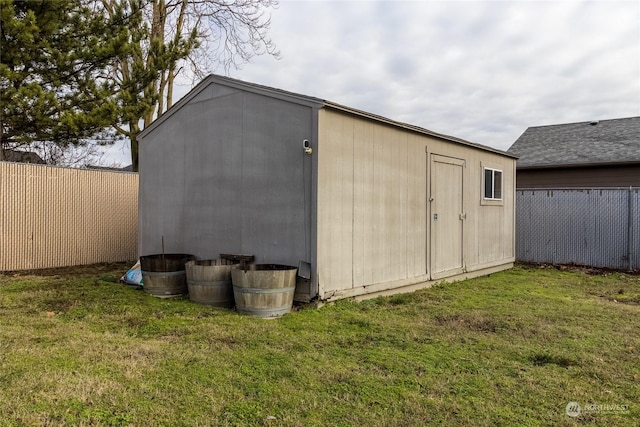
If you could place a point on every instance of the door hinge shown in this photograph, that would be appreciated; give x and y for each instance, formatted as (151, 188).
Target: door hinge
(463, 215)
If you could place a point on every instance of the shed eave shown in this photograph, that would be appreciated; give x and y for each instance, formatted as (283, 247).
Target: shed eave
(577, 165)
(296, 98)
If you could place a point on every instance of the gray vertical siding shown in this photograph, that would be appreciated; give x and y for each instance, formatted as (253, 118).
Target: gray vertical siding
(228, 175)
(594, 227)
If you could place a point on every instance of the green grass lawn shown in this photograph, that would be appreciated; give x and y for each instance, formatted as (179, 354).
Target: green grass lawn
(510, 349)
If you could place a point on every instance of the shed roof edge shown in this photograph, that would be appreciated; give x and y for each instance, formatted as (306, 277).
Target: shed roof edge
(577, 165)
(235, 83)
(311, 102)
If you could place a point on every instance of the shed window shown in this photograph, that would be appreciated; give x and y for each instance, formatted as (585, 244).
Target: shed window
(492, 184)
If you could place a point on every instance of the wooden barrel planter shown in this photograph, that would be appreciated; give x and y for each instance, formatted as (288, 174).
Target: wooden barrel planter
(264, 290)
(209, 282)
(163, 275)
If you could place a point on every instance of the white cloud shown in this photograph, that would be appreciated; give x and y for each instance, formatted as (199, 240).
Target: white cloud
(117, 155)
(479, 70)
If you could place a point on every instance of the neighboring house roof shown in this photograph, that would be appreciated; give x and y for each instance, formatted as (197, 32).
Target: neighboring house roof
(22, 156)
(111, 168)
(305, 100)
(603, 142)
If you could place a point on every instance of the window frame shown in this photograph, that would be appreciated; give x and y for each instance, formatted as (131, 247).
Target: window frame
(492, 200)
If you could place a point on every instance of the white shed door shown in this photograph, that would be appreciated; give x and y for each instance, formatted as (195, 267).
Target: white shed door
(447, 216)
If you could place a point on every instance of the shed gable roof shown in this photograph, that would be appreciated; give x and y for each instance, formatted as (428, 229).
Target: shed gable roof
(601, 142)
(311, 102)
(22, 156)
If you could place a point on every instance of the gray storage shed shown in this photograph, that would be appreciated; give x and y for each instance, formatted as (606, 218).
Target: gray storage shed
(363, 205)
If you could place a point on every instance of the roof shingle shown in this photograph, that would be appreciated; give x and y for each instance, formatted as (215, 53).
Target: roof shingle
(583, 143)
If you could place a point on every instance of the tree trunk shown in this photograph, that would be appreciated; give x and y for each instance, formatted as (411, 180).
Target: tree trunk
(2, 158)
(133, 136)
(171, 75)
(170, 78)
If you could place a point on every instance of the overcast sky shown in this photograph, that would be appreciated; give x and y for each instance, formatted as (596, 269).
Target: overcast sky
(483, 71)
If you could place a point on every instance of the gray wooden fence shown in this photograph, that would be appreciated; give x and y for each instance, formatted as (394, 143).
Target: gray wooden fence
(591, 227)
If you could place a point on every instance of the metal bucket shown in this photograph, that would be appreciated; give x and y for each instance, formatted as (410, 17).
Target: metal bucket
(264, 290)
(209, 282)
(163, 275)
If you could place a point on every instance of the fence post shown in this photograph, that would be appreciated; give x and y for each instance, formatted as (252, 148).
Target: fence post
(630, 229)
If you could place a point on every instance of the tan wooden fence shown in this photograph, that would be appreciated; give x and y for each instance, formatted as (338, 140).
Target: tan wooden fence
(58, 217)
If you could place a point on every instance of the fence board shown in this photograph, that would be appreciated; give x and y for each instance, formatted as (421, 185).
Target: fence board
(56, 217)
(593, 227)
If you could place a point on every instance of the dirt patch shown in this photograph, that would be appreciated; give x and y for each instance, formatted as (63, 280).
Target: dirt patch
(74, 271)
(541, 359)
(623, 299)
(592, 271)
(472, 321)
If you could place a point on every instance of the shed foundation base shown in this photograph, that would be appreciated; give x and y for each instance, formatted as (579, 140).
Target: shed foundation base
(364, 293)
